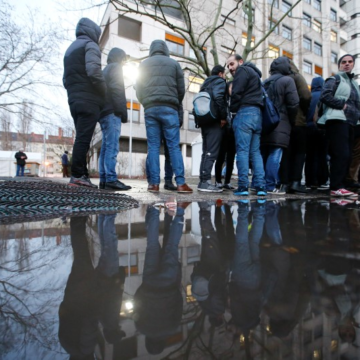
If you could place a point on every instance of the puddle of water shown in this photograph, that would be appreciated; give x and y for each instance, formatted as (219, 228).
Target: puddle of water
(259, 279)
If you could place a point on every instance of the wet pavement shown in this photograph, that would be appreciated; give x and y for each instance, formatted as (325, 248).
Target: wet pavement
(245, 279)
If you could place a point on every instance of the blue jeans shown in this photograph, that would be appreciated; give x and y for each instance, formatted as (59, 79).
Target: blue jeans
(163, 120)
(247, 130)
(272, 158)
(111, 128)
(20, 170)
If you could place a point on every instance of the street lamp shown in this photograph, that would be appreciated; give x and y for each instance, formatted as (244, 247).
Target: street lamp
(131, 72)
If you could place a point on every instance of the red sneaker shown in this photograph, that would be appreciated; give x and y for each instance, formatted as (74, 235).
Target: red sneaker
(341, 192)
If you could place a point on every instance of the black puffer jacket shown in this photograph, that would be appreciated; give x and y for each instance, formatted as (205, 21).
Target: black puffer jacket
(83, 78)
(113, 73)
(282, 91)
(216, 86)
(246, 90)
(161, 80)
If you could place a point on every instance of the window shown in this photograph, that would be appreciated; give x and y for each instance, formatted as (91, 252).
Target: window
(307, 67)
(274, 52)
(318, 70)
(175, 44)
(333, 15)
(228, 20)
(244, 39)
(317, 4)
(274, 3)
(272, 23)
(334, 58)
(285, 7)
(307, 20)
(135, 110)
(306, 43)
(286, 32)
(318, 49)
(195, 84)
(333, 36)
(288, 54)
(170, 7)
(129, 28)
(316, 25)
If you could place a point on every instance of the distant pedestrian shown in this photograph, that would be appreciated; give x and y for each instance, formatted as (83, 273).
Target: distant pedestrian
(20, 157)
(341, 97)
(160, 88)
(211, 133)
(247, 102)
(112, 115)
(65, 163)
(86, 89)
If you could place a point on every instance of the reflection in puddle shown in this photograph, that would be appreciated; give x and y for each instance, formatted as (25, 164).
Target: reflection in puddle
(260, 279)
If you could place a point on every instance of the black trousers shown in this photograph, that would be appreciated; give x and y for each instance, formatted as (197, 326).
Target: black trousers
(227, 150)
(293, 158)
(341, 141)
(85, 115)
(211, 136)
(316, 164)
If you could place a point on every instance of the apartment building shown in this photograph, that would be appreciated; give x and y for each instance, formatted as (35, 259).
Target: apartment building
(311, 36)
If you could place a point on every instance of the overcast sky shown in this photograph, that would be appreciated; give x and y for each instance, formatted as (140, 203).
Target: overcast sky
(66, 13)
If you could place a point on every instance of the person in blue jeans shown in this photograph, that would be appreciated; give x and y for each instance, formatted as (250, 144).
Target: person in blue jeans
(160, 88)
(247, 102)
(20, 157)
(112, 115)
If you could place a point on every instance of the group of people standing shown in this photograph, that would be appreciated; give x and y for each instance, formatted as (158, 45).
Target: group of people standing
(313, 126)
(276, 159)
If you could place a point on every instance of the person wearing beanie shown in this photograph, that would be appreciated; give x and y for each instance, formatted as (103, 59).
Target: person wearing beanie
(341, 112)
(211, 133)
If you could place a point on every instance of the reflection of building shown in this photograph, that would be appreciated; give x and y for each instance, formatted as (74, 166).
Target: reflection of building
(53, 147)
(312, 38)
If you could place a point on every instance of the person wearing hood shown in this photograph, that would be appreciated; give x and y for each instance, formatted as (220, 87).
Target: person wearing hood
(160, 89)
(316, 167)
(293, 160)
(86, 90)
(211, 133)
(112, 115)
(247, 102)
(341, 113)
(282, 91)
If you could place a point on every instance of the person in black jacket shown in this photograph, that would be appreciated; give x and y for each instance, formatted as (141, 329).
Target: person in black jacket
(247, 102)
(86, 90)
(20, 157)
(160, 88)
(215, 85)
(112, 115)
(282, 91)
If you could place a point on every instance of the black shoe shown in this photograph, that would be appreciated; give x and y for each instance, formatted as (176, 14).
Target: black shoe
(101, 185)
(170, 186)
(284, 188)
(116, 185)
(296, 187)
(82, 181)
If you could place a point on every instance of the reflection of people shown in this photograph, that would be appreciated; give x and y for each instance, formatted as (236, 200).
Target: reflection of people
(20, 157)
(92, 295)
(209, 275)
(158, 302)
(65, 163)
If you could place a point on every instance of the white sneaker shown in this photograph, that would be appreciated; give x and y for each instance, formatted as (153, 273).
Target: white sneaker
(342, 192)
(277, 192)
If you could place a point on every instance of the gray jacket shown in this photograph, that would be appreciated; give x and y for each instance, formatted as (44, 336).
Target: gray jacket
(161, 80)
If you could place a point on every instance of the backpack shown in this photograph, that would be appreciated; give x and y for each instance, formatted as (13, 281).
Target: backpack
(270, 113)
(204, 110)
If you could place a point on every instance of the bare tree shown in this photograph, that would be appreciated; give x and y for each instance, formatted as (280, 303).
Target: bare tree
(25, 121)
(5, 121)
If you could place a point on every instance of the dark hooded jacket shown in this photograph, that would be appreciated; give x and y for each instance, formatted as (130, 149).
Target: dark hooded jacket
(161, 80)
(316, 88)
(304, 95)
(246, 89)
(113, 74)
(281, 89)
(83, 78)
(216, 86)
